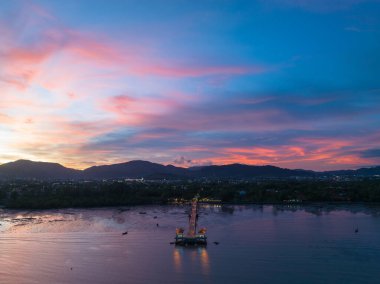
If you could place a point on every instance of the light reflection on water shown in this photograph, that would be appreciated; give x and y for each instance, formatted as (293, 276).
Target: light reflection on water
(197, 255)
(258, 244)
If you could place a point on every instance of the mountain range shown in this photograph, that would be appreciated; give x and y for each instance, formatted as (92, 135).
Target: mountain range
(25, 169)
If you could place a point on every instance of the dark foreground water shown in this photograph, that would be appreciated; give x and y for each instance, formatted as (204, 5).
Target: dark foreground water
(257, 244)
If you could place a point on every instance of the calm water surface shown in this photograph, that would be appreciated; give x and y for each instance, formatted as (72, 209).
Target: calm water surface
(257, 244)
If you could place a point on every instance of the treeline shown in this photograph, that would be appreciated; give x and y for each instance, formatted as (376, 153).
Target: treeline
(40, 195)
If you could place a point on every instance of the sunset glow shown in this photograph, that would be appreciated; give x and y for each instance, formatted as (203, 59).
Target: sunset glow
(289, 83)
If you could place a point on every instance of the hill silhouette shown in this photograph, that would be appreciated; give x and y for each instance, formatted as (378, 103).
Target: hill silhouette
(25, 169)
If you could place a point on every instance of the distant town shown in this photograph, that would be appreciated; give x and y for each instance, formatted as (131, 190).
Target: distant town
(41, 194)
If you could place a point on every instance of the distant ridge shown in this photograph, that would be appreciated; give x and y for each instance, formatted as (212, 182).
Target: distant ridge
(134, 169)
(245, 171)
(25, 169)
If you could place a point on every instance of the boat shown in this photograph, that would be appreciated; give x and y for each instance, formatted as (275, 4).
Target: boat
(192, 237)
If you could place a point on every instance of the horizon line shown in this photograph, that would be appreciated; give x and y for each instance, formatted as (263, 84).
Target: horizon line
(184, 167)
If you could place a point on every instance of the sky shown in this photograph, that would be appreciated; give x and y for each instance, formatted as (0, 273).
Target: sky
(290, 83)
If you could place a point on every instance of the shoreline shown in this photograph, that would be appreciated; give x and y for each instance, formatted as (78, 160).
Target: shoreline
(300, 204)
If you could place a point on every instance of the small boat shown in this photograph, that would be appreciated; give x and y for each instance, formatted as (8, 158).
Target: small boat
(192, 238)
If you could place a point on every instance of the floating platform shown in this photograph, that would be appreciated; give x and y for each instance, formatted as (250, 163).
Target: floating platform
(197, 240)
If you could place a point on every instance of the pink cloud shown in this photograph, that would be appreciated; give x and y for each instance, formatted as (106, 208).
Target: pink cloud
(317, 154)
(5, 119)
(22, 62)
